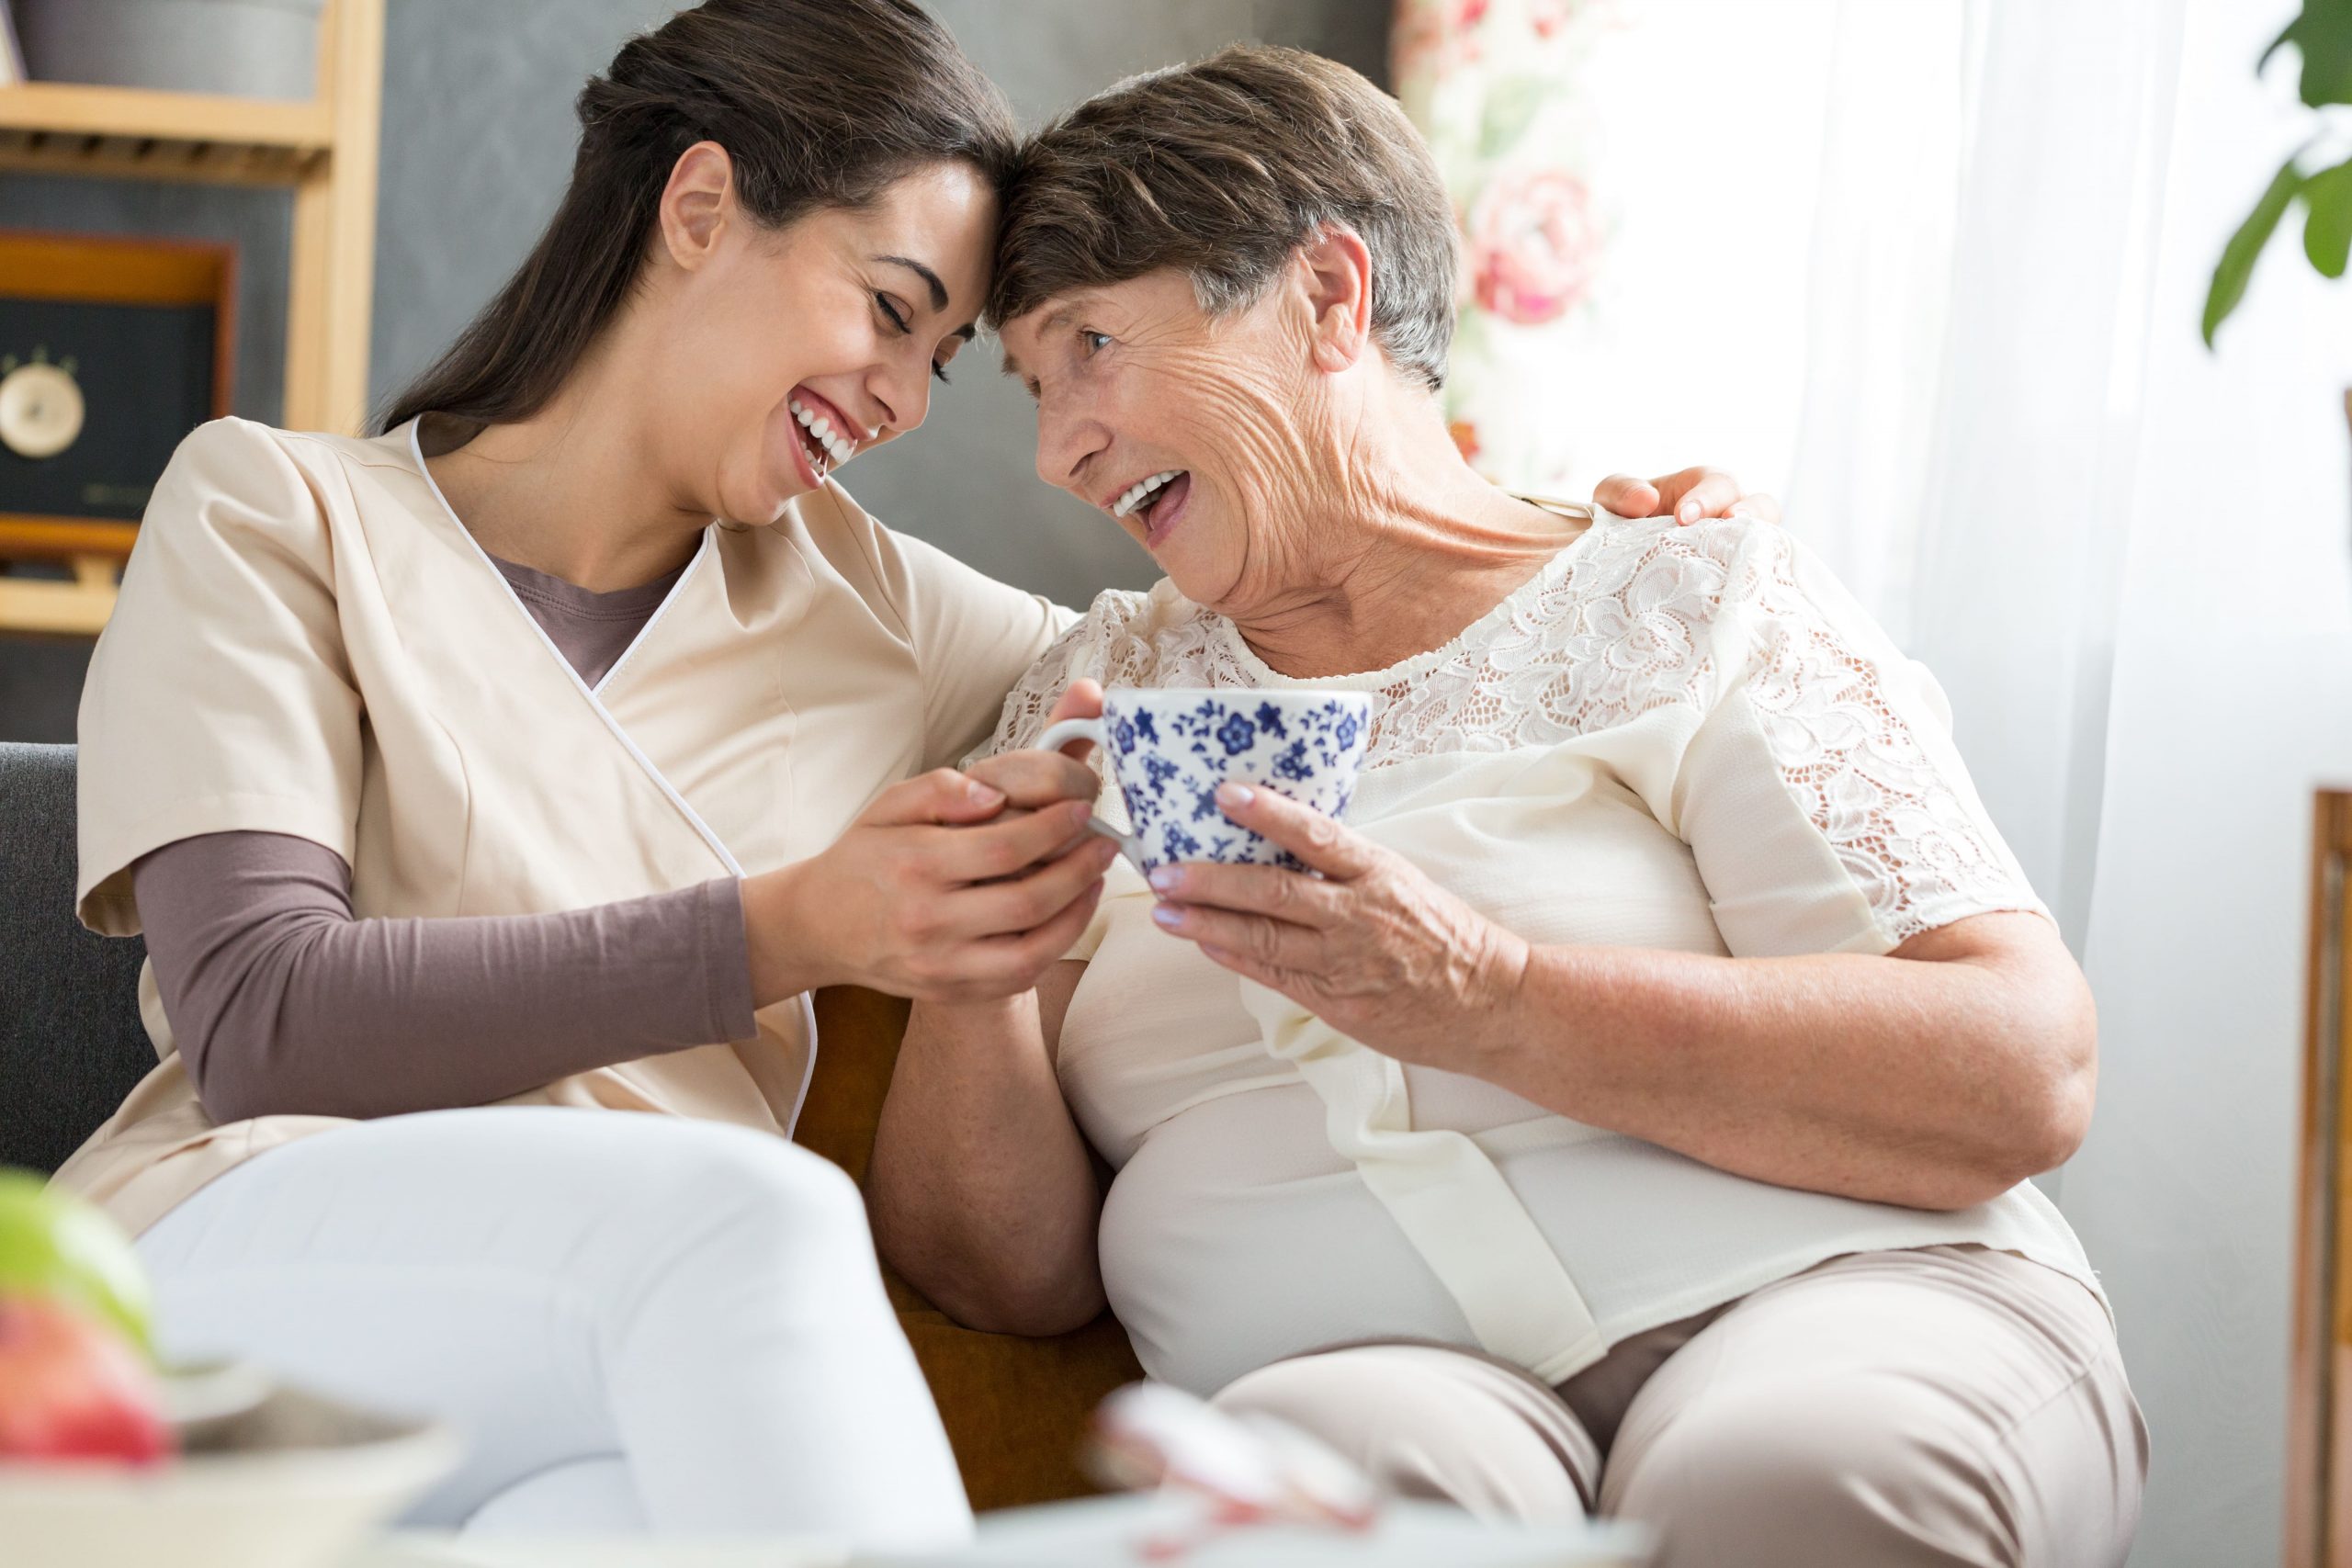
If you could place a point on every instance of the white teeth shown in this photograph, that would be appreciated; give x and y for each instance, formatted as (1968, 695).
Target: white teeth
(1142, 488)
(836, 445)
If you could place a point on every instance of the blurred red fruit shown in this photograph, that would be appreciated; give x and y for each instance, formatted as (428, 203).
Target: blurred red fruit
(71, 1389)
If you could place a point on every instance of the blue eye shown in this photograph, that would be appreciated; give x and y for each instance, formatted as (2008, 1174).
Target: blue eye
(1092, 340)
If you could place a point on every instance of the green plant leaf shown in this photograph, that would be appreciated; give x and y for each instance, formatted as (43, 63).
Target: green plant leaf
(2322, 36)
(2327, 227)
(2238, 256)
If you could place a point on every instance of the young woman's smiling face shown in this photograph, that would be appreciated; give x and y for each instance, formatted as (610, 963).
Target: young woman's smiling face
(1192, 431)
(797, 348)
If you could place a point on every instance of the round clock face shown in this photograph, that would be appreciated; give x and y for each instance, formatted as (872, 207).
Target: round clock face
(40, 410)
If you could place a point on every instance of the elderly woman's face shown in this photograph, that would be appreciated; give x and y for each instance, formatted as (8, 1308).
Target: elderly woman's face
(1184, 427)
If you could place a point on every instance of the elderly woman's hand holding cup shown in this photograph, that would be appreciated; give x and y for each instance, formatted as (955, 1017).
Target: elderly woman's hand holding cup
(1361, 939)
(1235, 799)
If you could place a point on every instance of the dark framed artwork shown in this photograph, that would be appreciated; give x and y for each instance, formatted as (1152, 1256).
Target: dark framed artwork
(111, 350)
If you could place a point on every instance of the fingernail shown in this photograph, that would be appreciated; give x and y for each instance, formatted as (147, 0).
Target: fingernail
(1106, 852)
(1690, 513)
(1168, 916)
(982, 794)
(1234, 795)
(1164, 879)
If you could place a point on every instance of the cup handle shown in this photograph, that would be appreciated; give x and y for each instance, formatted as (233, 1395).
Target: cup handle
(1061, 735)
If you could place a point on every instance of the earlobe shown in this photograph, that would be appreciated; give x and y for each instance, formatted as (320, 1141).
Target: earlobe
(696, 203)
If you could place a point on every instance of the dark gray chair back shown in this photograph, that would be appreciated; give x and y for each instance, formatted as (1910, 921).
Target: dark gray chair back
(71, 1043)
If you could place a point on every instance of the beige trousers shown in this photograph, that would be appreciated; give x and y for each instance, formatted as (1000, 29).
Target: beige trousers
(1945, 1405)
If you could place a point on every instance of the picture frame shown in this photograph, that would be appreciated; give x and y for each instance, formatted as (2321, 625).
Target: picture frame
(145, 331)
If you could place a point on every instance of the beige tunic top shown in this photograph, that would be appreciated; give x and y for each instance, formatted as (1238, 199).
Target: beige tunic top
(1688, 740)
(308, 642)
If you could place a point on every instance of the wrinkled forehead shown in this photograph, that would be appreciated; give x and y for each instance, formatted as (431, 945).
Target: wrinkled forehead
(1054, 314)
(1162, 306)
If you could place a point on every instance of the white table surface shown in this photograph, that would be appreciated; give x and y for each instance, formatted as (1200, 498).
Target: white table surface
(1094, 1533)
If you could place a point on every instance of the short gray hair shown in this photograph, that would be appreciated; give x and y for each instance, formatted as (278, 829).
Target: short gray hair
(1222, 169)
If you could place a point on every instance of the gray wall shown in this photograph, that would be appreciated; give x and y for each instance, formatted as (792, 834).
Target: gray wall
(478, 137)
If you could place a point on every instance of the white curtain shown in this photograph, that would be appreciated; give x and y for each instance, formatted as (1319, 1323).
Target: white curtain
(1984, 237)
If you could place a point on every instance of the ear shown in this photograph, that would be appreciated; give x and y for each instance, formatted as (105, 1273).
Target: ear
(1335, 270)
(698, 204)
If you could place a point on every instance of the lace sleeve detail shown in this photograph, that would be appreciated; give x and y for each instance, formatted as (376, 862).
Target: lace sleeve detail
(1861, 741)
(1102, 645)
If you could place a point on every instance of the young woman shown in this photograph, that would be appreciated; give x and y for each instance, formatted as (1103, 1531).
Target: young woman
(476, 765)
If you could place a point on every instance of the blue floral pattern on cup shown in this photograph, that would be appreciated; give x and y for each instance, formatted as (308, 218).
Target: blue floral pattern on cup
(1170, 751)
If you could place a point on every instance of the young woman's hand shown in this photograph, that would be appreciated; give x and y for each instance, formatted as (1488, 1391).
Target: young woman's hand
(949, 887)
(1687, 497)
(936, 892)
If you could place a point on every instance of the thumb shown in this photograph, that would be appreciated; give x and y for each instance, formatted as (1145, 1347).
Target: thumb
(942, 795)
(1080, 699)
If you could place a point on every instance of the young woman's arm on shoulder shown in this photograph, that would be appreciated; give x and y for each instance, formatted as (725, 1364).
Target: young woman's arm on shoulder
(982, 1191)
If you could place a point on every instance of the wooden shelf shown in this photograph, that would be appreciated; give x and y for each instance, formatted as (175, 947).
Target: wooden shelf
(64, 538)
(323, 148)
(134, 133)
(78, 608)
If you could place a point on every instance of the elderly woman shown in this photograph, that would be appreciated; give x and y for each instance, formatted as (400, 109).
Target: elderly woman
(1633, 1114)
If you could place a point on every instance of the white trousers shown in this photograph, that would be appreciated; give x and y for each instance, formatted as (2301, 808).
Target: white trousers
(635, 1322)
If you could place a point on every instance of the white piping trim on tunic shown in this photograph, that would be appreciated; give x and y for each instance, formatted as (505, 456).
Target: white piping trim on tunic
(718, 846)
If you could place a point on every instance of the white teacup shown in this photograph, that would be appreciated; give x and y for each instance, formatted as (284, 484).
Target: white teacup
(1170, 748)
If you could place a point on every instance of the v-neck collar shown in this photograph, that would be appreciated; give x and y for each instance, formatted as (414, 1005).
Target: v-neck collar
(593, 696)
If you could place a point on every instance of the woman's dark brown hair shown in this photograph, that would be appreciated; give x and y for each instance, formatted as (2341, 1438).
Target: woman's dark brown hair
(820, 103)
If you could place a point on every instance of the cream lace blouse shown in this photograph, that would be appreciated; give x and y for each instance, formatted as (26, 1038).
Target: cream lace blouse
(1682, 739)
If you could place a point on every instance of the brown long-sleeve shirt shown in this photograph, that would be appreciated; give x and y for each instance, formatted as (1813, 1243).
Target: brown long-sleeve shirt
(282, 1000)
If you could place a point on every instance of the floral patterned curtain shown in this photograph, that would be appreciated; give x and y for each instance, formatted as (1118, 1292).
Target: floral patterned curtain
(1494, 86)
